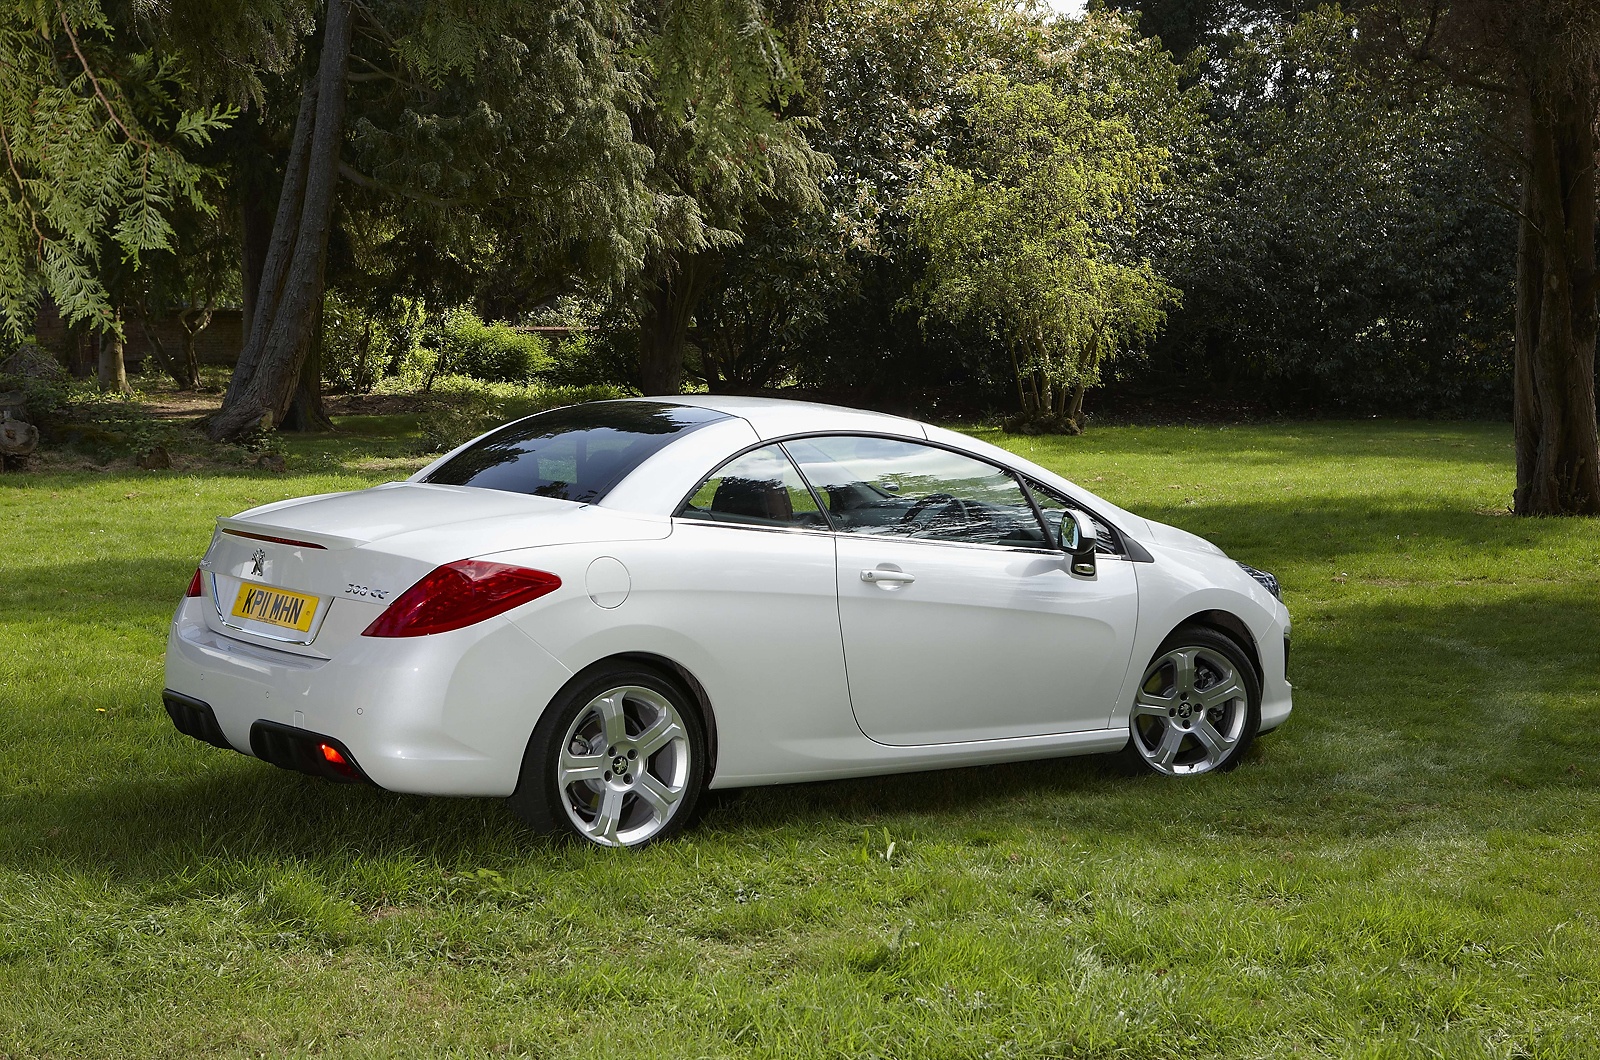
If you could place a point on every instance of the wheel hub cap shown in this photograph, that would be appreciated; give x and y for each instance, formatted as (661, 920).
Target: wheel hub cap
(625, 766)
(1190, 711)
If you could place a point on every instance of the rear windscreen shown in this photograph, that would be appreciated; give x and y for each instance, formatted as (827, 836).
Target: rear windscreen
(574, 454)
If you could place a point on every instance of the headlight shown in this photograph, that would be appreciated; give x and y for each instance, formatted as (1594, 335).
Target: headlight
(1268, 582)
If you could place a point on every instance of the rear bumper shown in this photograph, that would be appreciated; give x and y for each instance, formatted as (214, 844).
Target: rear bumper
(443, 715)
(301, 750)
(194, 718)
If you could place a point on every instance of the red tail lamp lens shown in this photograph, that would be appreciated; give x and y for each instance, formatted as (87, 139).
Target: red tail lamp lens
(194, 585)
(459, 594)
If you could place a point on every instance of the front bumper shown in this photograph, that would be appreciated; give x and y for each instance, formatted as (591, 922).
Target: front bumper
(448, 714)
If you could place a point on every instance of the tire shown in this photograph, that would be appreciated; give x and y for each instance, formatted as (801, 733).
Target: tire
(1198, 706)
(641, 770)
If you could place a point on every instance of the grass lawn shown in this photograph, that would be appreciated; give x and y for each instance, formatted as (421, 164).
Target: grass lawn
(1410, 868)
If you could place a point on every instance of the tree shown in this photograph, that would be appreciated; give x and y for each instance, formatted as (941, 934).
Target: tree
(289, 299)
(1537, 62)
(724, 147)
(771, 290)
(1031, 227)
(189, 281)
(891, 85)
(1335, 237)
(96, 134)
(482, 141)
(1185, 26)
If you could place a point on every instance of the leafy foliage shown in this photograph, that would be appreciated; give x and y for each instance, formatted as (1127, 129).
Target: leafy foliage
(96, 141)
(360, 346)
(833, 288)
(491, 154)
(1342, 246)
(493, 352)
(445, 424)
(1032, 227)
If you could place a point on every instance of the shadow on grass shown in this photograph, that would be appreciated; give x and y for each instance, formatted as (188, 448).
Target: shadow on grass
(1448, 705)
(1408, 715)
(1455, 443)
(87, 593)
(1336, 529)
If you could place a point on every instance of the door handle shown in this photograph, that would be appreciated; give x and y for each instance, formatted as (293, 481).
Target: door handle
(887, 576)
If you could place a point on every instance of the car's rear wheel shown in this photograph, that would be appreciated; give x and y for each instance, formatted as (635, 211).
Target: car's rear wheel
(618, 760)
(1198, 706)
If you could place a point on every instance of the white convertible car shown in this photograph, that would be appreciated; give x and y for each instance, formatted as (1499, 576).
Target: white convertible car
(604, 610)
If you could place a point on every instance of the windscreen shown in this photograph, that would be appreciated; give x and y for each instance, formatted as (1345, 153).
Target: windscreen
(574, 454)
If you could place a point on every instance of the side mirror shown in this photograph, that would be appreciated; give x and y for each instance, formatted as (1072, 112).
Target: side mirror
(1078, 539)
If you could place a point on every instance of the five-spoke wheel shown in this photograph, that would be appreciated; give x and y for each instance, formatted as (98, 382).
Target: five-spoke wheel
(1198, 706)
(618, 759)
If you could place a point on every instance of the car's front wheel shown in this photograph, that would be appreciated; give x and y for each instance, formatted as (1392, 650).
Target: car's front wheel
(618, 759)
(1198, 706)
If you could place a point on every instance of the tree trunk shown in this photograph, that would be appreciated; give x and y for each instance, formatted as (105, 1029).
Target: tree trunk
(282, 333)
(83, 351)
(306, 412)
(255, 235)
(1075, 410)
(280, 248)
(1016, 370)
(663, 332)
(1557, 444)
(112, 373)
(191, 357)
(159, 348)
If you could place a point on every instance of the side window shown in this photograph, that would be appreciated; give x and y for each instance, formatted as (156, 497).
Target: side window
(1054, 506)
(904, 489)
(760, 488)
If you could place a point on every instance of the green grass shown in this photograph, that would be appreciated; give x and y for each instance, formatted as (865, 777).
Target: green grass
(1407, 869)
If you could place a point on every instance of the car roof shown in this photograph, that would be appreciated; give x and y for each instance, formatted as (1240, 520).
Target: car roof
(780, 417)
(775, 417)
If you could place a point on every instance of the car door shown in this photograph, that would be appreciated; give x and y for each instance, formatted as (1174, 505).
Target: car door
(960, 621)
(749, 579)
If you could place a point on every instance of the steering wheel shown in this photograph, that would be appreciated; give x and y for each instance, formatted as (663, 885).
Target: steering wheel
(915, 512)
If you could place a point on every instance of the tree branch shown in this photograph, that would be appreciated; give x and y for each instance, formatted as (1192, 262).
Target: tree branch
(378, 74)
(354, 176)
(375, 22)
(97, 90)
(22, 191)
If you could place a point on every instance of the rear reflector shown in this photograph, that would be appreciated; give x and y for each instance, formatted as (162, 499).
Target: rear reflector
(338, 761)
(459, 594)
(194, 586)
(275, 540)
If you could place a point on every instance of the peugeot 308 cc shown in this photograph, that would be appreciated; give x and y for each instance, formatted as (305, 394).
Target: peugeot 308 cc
(602, 611)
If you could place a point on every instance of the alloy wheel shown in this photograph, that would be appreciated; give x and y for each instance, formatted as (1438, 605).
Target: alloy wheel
(623, 767)
(1191, 712)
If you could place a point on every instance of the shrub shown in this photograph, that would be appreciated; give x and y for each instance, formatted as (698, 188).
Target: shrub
(464, 408)
(446, 423)
(359, 348)
(496, 353)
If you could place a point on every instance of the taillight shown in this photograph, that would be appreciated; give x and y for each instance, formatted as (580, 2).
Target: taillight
(194, 585)
(459, 594)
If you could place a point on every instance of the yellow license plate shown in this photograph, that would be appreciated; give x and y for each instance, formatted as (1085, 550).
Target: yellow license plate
(278, 607)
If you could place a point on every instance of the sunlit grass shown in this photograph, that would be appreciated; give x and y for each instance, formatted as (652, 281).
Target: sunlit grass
(1406, 869)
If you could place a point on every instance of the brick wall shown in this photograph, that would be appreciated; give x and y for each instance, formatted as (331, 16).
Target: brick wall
(219, 343)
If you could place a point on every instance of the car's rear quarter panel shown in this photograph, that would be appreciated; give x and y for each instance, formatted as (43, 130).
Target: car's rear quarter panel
(751, 615)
